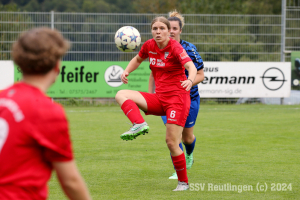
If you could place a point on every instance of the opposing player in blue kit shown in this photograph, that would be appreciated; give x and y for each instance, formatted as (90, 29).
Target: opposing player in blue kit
(188, 137)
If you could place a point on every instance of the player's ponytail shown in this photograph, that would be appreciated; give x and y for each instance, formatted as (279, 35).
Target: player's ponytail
(176, 16)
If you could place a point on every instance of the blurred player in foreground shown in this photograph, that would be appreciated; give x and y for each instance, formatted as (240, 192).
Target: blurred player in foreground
(168, 60)
(188, 137)
(34, 133)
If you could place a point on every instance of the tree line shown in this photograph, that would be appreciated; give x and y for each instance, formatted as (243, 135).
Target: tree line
(256, 42)
(142, 6)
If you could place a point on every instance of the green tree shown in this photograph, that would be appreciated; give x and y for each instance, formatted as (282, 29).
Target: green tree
(60, 6)
(156, 6)
(9, 7)
(5, 2)
(153, 6)
(21, 2)
(262, 7)
(11, 28)
(32, 6)
(122, 6)
(95, 6)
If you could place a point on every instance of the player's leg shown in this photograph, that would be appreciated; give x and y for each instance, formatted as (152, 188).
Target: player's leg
(173, 136)
(188, 137)
(177, 113)
(187, 133)
(164, 118)
(130, 102)
(189, 141)
(174, 175)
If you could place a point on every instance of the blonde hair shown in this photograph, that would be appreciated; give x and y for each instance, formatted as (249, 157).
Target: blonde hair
(37, 51)
(163, 20)
(176, 16)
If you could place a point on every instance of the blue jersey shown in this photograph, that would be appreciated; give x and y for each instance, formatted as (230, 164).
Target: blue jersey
(198, 62)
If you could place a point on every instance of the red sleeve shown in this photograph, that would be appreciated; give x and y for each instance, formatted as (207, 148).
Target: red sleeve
(181, 54)
(54, 137)
(143, 53)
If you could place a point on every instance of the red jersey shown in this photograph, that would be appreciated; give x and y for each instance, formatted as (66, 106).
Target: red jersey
(33, 133)
(167, 65)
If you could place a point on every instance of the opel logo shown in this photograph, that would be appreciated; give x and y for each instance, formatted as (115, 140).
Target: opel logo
(273, 78)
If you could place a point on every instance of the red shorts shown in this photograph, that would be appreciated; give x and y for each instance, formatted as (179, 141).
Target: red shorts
(175, 107)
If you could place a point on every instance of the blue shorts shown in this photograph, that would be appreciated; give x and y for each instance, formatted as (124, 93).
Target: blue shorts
(191, 119)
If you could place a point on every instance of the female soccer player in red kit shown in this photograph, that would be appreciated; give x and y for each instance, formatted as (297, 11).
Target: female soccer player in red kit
(168, 60)
(188, 138)
(34, 133)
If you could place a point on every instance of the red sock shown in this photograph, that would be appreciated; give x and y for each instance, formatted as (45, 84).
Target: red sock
(132, 111)
(180, 167)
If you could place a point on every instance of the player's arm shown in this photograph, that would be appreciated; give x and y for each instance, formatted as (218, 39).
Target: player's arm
(198, 62)
(133, 64)
(71, 180)
(199, 77)
(151, 86)
(190, 67)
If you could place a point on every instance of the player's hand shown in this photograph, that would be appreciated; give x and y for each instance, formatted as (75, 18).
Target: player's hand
(187, 84)
(124, 77)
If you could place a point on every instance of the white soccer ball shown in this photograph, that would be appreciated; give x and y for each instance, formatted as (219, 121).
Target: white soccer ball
(127, 39)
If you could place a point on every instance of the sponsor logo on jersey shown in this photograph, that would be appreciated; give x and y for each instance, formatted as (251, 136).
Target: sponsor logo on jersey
(183, 55)
(160, 63)
(152, 61)
(152, 52)
(157, 62)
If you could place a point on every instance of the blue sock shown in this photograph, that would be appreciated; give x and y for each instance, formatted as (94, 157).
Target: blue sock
(190, 147)
(181, 147)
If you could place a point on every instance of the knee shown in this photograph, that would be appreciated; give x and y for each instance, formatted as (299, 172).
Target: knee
(171, 143)
(188, 138)
(188, 135)
(120, 96)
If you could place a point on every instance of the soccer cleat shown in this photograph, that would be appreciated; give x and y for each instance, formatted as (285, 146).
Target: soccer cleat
(135, 130)
(189, 160)
(174, 176)
(182, 186)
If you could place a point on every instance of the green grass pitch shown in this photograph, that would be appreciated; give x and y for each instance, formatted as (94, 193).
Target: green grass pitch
(241, 145)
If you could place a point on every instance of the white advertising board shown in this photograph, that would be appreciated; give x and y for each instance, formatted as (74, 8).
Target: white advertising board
(246, 79)
(6, 74)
